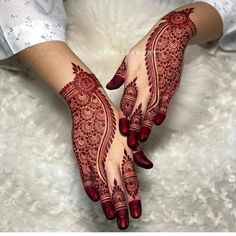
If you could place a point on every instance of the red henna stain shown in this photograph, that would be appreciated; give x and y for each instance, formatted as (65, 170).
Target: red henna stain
(118, 78)
(126, 105)
(120, 207)
(93, 131)
(141, 160)
(164, 54)
(135, 125)
(129, 176)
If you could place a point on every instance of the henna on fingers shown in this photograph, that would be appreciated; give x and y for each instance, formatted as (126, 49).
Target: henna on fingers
(92, 132)
(119, 77)
(163, 58)
(120, 207)
(140, 159)
(135, 125)
(131, 184)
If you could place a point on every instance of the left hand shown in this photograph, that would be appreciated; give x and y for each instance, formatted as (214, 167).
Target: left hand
(151, 78)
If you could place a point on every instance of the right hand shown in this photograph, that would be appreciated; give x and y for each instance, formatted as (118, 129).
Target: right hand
(105, 160)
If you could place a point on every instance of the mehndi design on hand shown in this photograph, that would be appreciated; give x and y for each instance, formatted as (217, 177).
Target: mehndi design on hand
(164, 51)
(93, 134)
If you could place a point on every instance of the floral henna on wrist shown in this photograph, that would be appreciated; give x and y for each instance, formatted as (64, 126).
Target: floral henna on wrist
(93, 131)
(164, 54)
(126, 105)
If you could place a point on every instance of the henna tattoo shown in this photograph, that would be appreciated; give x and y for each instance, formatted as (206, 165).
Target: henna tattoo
(129, 98)
(127, 103)
(164, 55)
(93, 128)
(140, 158)
(129, 176)
(135, 125)
(136, 119)
(118, 197)
(119, 77)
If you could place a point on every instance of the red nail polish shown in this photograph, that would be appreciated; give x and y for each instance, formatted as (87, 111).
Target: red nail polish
(124, 126)
(160, 117)
(141, 160)
(144, 133)
(92, 193)
(108, 210)
(135, 208)
(122, 223)
(135, 212)
(115, 83)
(133, 139)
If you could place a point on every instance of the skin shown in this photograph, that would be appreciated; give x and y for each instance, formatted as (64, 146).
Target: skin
(152, 78)
(102, 153)
(109, 175)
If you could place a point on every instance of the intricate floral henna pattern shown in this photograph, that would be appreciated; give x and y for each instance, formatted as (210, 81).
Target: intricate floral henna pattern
(129, 176)
(118, 197)
(164, 55)
(93, 129)
(129, 97)
(127, 103)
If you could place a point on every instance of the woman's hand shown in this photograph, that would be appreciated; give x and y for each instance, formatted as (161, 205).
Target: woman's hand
(105, 160)
(151, 75)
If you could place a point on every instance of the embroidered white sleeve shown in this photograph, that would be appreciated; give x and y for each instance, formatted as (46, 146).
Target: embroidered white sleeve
(28, 22)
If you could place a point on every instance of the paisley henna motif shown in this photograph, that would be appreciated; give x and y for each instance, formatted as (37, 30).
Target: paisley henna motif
(128, 99)
(93, 128)
(129, 176)
(136, 119)
(164, 55)
(118, 197)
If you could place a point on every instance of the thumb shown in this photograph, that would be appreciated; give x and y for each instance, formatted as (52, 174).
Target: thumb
(119, 77)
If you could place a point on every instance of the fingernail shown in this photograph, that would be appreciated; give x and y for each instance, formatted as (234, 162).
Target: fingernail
(110, 214)
(108, 210)
(160, 117)
(122, 223)
(92, 193)
(135, 208)
(124, 126)
(135, 212)
(115, 82)
(141, 160)
(144, 133)
(133, 139)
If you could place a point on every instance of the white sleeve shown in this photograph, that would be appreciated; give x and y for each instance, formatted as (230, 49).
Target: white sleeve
(227, 11)
(26, 23)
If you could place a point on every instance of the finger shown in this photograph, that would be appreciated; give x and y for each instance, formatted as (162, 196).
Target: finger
(141, 160)
(163, 107)
(119, 77)
(102, 189)
(86, 176)
(135, 126)
(147, 124)
(117, 194)
(160, 117)
(106, 201)
(130, 181)
(120, 206)
(126, 106)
